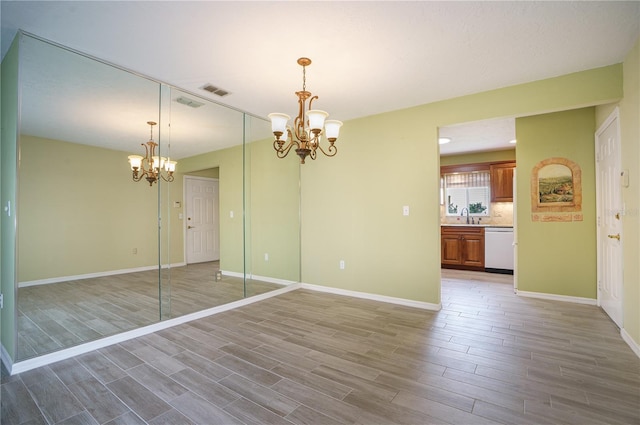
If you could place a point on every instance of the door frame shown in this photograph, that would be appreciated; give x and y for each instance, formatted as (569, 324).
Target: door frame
(185, 180)
(614, 116)
(515, 228)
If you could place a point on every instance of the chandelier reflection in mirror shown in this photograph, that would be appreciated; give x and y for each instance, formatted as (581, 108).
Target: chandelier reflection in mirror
(307, 126)
(151, 166)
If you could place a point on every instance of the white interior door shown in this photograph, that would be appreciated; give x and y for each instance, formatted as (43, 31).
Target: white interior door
(203, 221)
(609, 207)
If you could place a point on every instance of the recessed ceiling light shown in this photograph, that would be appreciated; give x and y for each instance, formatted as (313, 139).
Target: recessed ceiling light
(189, 102)
(443, 140)
(513, 142)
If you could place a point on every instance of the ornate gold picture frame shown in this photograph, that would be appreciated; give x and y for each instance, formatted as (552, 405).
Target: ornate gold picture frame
(556, 191)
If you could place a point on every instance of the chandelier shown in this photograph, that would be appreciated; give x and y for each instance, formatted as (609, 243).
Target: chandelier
(307, 126)
(151, 166)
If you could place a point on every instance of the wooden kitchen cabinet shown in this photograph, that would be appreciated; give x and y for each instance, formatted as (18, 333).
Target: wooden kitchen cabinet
(462, 247)
(502, 181)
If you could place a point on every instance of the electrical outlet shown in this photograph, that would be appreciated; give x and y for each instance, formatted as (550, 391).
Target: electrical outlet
(341, 264)
(405, 210)
(230, 214)
(266, 257)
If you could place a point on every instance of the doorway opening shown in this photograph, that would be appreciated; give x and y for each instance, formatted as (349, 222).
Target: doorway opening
(477, 194)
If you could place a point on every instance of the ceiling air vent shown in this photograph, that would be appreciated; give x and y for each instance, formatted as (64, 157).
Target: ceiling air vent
(189, 102)
(215, 90)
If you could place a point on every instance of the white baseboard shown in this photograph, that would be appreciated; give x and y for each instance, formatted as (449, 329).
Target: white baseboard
(555, 297)
(232, 274)
(627, 338)
(57, 356)
(94, 275)
(268, 279)
(275, 280)
(373, 297)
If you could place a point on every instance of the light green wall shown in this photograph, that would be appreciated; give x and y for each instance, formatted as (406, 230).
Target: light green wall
(479, 157)
(8, 183)
(275, 213)
(630, 145)
(88, 215)
(557, 258)
(212, 173)
(352, 212)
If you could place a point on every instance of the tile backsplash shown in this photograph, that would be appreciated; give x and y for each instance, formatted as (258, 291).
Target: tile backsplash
(501, 214)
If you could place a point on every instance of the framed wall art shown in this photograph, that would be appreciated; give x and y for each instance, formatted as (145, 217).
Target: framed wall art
(556, 191)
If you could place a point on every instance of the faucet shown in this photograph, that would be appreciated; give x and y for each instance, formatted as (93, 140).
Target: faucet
(463, 211)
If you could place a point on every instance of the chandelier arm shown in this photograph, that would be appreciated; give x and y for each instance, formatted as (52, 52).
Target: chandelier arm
(282, 152)
(146, 150)
(332, 150)
(298, 126)
(302, 98)
(311, 101)
(143, 169)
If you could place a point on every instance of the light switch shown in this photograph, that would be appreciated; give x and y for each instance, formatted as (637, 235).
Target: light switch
(405, 210)
(624, 178)
(231, 214)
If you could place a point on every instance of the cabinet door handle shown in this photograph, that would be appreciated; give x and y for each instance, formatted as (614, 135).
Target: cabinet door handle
(616, 236)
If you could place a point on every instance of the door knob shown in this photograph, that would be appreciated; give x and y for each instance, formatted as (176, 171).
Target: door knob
(616, 236)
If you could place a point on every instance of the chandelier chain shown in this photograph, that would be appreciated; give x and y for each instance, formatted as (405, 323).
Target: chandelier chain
(304, 78)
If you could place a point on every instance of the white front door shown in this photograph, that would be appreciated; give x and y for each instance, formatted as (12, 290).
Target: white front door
(201, 207)
(609, 218)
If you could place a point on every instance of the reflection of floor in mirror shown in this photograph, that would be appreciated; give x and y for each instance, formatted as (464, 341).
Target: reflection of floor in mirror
(61, 315)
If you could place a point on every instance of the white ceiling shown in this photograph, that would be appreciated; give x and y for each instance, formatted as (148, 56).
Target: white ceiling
(368, 57)
(487, 135)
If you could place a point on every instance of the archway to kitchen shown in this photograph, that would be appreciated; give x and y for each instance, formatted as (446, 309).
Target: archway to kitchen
(477, 201)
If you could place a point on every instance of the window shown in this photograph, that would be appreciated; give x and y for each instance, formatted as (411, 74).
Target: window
(467, 190)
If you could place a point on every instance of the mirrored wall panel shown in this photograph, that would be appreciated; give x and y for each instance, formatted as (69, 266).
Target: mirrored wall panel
(84, 227)
(100, 253)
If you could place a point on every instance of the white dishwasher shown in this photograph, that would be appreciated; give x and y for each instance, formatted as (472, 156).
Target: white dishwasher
(498, 249)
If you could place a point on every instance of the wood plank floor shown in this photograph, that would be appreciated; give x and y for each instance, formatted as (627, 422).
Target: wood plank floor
(61, 315)
(305, 357)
